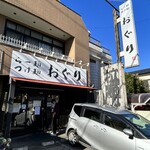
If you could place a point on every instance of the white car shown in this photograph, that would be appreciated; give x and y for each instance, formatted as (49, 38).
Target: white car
(107, 128)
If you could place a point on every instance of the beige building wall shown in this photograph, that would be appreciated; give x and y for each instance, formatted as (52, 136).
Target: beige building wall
(65, 19)
(2, 24)
(58, 15)
(6, 59)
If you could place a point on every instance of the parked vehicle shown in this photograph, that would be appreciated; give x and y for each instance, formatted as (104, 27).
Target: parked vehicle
(107, 128)
(140, 104)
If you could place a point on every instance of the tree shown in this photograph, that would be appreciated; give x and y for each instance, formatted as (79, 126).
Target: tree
(134, 84)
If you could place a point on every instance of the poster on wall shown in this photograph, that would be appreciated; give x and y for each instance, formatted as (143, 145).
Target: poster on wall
(37, 110)
(36, 68)
(37, 103)
(16, 107)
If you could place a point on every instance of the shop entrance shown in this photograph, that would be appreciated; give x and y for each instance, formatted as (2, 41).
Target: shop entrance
(32, 111)
(33, 103)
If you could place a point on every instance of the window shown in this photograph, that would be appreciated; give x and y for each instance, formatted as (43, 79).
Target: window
(45, 47)
(13, 35)
(20, 29)
(36, 38)
(78, 109)
(58, 43)
(27, 31)
(23, 30)
(92, 61)
(114, 122)
(36, 35)
(57, 50)
(92, 114)
(143, 107)
(11, 25)
(139, 122)
(32, 41)
(47, 39)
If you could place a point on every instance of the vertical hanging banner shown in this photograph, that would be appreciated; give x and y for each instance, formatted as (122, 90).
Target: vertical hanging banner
(130, 47)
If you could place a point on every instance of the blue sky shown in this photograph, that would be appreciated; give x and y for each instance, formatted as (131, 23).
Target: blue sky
(98, 18)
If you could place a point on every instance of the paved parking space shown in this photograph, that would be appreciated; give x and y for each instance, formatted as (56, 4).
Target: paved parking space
(43, 141)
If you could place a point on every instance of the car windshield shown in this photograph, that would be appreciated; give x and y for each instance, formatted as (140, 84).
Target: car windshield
(139, 122)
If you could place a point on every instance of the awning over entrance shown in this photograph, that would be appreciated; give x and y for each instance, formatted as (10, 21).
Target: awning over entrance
(139, 98)
(52, 83)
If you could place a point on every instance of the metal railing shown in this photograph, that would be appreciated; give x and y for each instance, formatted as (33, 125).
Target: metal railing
(106, 51)
(33, 48)
(98, 43)
(95, 42)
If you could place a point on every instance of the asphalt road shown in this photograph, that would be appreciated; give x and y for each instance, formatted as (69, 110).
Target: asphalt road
(43, 141)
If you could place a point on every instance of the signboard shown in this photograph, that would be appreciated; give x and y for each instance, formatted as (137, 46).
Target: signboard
(32, 67)
(129, 35)
(113, 86)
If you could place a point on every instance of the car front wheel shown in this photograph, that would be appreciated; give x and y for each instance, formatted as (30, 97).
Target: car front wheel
(73, 138)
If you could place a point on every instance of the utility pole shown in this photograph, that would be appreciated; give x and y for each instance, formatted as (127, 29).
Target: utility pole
(117, 38)
(121, 88)
(9, 109)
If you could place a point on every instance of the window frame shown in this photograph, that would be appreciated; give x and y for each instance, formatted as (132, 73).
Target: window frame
(80, 110)
(94, 110)
(115, 116)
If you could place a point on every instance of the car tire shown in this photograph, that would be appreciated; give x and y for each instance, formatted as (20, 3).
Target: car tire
(73, 138)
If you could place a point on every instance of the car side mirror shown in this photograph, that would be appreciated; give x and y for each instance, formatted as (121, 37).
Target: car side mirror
(128, 132)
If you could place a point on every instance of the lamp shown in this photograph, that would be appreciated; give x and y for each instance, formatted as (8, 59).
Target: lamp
(40, 49)
(79, 62)
(46, 58)
(87, 64)
(24, 47)
(52, 54)
(62, 57)
(72, 60)
(34, 53)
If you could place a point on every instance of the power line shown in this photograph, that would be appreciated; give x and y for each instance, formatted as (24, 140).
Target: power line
(112, 5)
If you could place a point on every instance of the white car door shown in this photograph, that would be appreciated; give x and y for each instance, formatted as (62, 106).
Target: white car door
(93, 135)
(113, 136)
(89, 128)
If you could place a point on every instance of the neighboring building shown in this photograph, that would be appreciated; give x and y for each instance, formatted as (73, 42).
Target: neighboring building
(140, 102)
(41, 45)
(99, 56)
(144, 75)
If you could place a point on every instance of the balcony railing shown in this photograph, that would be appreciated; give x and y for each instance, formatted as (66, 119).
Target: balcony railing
(98, 43)
(95, 42)
(106, 51)
(33, 48)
